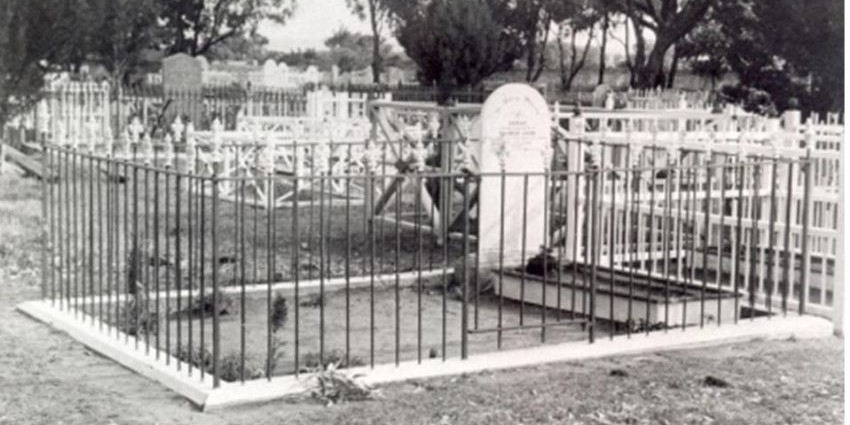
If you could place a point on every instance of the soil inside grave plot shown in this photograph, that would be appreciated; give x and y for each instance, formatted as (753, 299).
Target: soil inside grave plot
(395, 327)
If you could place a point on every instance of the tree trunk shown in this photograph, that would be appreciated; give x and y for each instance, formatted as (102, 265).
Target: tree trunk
(602, 47)
(376, 44)
(629, 64)
(541, 61)
(531, 58)
(562, 66)
(640, 55)
(674, 67)
(651, 73)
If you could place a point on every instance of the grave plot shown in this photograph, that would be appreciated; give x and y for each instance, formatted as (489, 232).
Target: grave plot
(473, 231)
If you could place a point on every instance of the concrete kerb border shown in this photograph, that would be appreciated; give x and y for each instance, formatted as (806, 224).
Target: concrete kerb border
(201, 392)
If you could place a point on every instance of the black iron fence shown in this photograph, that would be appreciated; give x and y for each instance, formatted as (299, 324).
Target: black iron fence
(264, 271)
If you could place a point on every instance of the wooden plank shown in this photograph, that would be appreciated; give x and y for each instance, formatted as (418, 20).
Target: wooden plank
(30, 148)
(29, 165)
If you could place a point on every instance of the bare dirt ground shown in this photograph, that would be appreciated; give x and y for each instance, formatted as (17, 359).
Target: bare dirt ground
(47, 378)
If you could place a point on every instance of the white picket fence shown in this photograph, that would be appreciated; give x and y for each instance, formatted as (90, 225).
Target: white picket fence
(82, 111)
(634, 139)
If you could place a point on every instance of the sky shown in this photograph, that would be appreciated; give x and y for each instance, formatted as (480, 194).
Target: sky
(313, 22)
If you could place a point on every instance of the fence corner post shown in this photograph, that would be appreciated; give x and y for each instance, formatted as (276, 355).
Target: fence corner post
(838, 290)
(216, 371)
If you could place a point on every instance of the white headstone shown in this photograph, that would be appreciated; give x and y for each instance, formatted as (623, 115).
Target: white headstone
(516, 136)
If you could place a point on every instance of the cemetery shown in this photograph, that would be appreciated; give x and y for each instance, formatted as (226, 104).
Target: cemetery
(238, 229)
(407, 232)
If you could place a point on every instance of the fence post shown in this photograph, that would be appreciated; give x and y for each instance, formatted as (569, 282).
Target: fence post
(574, 165)
(216, 294)
(47, 247)
(807, 198)
(791, 120)
(838, 289)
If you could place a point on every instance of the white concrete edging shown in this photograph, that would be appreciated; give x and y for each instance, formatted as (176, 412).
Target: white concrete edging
(123, 352)
(202, 393)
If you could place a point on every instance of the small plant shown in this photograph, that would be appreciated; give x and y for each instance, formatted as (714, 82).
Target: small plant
(231, 368)
(280, 313)
(333, 387)
(133, 269)
(135, 318)
(544, 260)
(641, 325)
(198, 357)
(311, 362)
(313, 300)
(210, 302)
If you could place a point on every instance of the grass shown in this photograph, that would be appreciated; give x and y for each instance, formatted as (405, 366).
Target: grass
(274, 247)
(48, 378)
(395, 326)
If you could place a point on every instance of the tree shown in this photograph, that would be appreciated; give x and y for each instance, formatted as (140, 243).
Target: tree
(244, 47)
(456, 42)
(195, 26)
(580, 16)
(669, 21)
(797, 43)
(779, 50)
(705, 50)
(33, 40)
(377, 11)
(532, 20)
(603, 47)
(353, 51)
(119, 32)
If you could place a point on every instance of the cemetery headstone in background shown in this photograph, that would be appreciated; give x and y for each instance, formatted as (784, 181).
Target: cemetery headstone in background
(183, 83)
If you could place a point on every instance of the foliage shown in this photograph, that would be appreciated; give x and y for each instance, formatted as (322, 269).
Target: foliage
(456, 43)
(33, 41)
(333, 387)
(209, 302)
(117, 33)
(786, 49)
(533, 21)
(705, 49)
(243, 48)
(195, 26)
(353, 51)
(535, 265)
(311, 361)
(230, 366)
(580, 16)
(280, 313)
(303, 58)
(378, 12)
(198, 357)
(136, 318)
(669, 21)
(750, 98)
